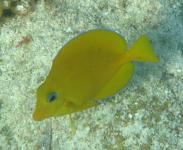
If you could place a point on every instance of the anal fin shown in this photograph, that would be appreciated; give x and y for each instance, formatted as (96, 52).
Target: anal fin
(118, 81)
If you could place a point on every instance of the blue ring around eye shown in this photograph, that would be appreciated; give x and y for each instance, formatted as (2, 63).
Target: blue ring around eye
(52, 96)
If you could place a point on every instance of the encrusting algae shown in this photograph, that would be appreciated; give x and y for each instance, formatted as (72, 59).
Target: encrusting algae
(90, 67)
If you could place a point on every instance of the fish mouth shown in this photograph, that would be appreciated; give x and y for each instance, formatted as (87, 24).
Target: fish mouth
(38, 115)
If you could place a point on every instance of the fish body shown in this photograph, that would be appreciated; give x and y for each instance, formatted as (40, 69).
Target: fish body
(90, 67)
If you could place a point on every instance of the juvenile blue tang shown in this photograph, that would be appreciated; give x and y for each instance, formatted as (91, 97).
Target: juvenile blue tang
(90, 67)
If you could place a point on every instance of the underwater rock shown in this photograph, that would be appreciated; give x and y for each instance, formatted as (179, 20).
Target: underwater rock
(9, 8)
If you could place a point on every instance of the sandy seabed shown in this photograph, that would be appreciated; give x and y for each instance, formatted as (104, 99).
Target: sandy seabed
(147, 114)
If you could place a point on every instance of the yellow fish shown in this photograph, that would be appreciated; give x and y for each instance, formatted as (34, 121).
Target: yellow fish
(92, 66)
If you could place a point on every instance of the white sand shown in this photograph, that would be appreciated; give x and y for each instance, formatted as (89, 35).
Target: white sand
(148, 114)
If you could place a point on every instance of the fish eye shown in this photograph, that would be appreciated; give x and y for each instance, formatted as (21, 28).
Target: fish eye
(52, 96)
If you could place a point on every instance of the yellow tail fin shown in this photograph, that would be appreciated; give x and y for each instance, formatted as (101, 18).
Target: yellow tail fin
(142, 51)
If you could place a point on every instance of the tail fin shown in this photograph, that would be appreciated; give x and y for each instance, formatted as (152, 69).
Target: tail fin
(142, 51)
